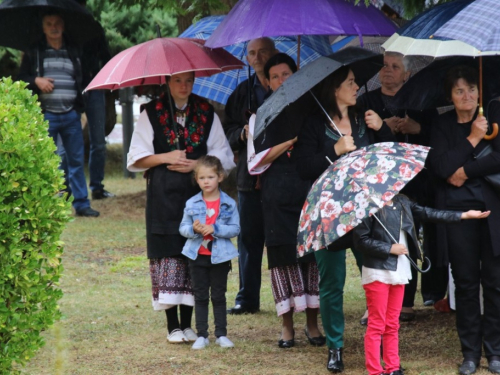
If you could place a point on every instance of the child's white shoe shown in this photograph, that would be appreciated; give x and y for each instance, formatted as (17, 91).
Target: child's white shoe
(224, 342)
(200, 343)
(190, 335)
(176, 337)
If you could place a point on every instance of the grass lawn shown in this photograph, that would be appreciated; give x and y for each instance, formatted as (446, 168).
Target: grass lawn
(109, 326)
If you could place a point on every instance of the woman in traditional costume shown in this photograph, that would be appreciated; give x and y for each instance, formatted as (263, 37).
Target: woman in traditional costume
(172, 132)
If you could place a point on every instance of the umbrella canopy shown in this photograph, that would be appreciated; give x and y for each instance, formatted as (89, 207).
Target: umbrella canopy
(250, 19)
(418, 37)
(364, 63)
(355, 186)
(21, 22)
(464, 26)
(425, 89)
(220, 86)
(148, 63)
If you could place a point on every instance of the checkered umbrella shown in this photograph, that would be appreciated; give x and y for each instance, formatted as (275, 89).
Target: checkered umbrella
(476, 24)
(220, 86)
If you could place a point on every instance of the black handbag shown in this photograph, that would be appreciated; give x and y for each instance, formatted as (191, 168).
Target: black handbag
(492, 179)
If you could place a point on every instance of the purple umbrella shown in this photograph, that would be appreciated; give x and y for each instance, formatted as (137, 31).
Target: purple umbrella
(250, 19)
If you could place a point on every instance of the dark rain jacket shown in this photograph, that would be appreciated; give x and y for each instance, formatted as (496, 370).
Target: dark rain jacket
(375, 243)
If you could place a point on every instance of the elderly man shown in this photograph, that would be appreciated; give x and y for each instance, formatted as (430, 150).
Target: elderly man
(245, 99)
(53, 71)
(409, 126)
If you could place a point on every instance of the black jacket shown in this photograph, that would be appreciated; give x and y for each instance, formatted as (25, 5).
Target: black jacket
(235, 119)
(375, 243)
(32, 67)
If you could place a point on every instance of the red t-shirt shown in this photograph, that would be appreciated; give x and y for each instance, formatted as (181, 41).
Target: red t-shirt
(212, 213)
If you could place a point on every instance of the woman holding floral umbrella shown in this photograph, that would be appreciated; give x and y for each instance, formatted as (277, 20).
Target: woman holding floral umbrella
(166, 146)
(318, 141)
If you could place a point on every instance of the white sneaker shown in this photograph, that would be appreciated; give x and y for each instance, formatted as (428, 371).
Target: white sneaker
(176, 337)
(224, 342)
(200, 343)
(190, 335)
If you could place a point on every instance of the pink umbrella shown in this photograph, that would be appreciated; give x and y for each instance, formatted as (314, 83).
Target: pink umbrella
(148, 63)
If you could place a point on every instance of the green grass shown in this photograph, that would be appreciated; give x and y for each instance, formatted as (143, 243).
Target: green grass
(109, 327)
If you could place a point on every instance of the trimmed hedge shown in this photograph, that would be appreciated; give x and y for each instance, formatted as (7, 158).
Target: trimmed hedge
(32, 218)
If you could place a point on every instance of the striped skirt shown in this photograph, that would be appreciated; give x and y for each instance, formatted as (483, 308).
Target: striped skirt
(295, 286)
(171, 282)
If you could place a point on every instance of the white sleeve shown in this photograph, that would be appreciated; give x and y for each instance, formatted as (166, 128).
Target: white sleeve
(218, 145)
(253, 159)
(141, 144)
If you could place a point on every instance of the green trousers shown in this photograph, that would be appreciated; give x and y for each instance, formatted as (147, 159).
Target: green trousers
(332, 274)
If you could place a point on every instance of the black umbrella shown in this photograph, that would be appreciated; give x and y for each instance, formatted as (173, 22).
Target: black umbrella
(291, 98)
(21, 22)
(425, 90)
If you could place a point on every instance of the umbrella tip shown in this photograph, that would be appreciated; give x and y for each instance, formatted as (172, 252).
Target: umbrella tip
(158, 32)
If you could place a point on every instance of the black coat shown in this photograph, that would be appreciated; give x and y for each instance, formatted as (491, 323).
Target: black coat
(450, 151)
(375, 243)
(236, 117)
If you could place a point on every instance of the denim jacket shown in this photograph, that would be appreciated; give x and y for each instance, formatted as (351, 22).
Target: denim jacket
(227, 225)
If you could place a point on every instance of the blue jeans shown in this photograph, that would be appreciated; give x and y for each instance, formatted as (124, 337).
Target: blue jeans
(69, 128)
(250, 248)
(96, 116)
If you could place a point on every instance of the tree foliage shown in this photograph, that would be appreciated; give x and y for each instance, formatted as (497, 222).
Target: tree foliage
(32, 218)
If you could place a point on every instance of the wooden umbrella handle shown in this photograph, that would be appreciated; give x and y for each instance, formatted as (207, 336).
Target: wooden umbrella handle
(493, 134)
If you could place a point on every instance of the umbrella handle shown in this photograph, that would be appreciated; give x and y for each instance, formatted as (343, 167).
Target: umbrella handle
(493, 134)
(326, 113)
(414, 265)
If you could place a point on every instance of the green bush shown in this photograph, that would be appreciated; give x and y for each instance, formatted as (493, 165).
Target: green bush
(32, 218)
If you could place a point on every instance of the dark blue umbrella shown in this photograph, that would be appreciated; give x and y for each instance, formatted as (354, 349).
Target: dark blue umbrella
(220, 86)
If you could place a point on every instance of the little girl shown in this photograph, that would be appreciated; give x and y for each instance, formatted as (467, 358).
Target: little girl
(210, 220)
(386, 270)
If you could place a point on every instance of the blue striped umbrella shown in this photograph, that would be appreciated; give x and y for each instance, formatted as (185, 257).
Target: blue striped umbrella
(477, 25)
(220, 86)
(419, 36)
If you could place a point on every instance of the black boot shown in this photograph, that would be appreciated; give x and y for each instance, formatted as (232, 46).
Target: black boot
(335, 363)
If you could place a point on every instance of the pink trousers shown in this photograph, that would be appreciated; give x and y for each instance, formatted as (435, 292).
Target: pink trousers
(384, 306)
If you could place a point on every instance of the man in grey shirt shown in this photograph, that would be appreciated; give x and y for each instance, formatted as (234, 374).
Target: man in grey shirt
(53, 70)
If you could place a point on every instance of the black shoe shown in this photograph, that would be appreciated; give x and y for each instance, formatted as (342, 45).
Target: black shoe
(467, 367)
(335, 363)
(406, 317)
(315, 341)
(102, 194)
(397, 372)
(494, 366)
(238, 310)
(87, 212)
(286, 344)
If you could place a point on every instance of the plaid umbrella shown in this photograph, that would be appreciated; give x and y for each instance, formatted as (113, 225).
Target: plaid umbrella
(419, 36)
(357, 185)
(464, 26)
(220, 86)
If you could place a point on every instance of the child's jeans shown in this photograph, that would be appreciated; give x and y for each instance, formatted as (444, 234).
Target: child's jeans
(384, 306)
(209, 280)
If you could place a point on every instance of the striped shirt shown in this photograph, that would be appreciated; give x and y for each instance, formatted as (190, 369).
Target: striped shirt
(58, 65)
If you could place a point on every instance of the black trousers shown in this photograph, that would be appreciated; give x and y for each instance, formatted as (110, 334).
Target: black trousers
(209, 282)
(473, 264)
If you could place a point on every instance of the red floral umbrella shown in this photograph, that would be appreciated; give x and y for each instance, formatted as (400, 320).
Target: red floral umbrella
(353, 187)
(148, 63)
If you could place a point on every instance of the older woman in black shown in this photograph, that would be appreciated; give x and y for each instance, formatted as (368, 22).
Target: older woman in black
(473, 248)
